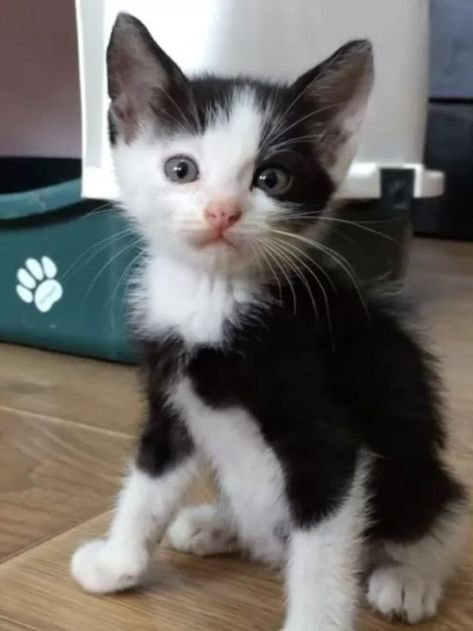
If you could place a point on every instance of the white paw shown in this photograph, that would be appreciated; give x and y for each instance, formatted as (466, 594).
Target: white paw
(399, 592)
(201, 530)
(101, 569)
(37, 283)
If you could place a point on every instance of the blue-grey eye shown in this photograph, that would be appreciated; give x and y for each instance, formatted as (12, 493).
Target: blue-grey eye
(181, 169)
(273, 180)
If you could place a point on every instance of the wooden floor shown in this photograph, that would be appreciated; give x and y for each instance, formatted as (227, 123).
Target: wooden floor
(66, 430)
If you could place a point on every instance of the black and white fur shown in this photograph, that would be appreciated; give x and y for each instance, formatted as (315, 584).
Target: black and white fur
(315, 407)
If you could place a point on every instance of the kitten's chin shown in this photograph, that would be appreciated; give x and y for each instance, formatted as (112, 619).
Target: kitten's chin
(228, 256)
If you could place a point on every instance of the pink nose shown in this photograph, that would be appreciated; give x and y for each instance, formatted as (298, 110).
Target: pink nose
(223, 214)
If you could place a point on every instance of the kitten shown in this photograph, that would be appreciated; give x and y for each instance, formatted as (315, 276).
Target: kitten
(315, 407)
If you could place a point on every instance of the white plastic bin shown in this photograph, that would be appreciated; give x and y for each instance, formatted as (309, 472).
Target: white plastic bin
(278, 39)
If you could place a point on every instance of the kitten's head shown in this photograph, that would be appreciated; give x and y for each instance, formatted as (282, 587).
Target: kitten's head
(215, 170)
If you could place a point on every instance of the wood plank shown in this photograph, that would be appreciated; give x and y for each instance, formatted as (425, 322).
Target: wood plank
(11, 625)
(97, 393)
(52, 476)
(182, 592)
(441, 284)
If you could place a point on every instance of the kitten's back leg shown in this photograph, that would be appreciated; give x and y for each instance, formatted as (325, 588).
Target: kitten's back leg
(204, 530)
(407, 580)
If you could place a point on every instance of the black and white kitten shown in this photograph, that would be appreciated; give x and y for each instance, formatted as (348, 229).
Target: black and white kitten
(316, 409)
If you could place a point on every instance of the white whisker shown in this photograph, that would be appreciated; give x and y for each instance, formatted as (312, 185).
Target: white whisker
(290, 249)
(285, 255)
(107, 264)
(283, 271)
(95, 249)
(273, 272)
(338, 258)
(112, 299)
(303, 253)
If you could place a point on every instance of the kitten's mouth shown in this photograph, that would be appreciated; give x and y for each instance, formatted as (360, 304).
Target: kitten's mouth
(215, 239)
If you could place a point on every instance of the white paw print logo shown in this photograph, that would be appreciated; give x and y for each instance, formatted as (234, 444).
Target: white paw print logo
(37, 283)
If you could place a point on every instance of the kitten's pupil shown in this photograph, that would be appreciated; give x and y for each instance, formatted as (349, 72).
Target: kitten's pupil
(269, 178)
(181, 170)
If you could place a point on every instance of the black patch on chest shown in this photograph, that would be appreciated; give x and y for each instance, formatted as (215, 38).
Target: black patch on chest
(164, 440)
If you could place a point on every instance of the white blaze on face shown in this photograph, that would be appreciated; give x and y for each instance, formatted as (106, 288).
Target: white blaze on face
(229, 149)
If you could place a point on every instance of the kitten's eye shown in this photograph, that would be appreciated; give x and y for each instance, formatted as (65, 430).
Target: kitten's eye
(181, 169)
(273, 181)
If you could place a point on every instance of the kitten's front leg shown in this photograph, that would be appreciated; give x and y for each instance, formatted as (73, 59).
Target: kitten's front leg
(323, 566)
(165, 465)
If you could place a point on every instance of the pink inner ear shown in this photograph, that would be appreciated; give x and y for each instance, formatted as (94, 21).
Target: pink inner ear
(132, 76)
(122, 108)
(130, 89)
(125, 110)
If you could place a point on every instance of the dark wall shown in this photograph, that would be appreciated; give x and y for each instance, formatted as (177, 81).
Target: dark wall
(39, 79)
(452, 49)
(449, 144)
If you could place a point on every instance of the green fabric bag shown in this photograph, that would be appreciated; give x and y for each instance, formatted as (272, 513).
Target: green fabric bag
(65, 262)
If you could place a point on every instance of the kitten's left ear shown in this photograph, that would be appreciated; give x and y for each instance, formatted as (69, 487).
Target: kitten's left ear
(338, 90)
(142, 78)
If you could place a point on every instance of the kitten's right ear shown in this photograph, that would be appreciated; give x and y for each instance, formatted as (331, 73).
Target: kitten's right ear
(337, 91)
(141, 76)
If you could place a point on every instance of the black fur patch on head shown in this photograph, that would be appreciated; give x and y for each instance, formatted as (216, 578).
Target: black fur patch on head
(287, 139)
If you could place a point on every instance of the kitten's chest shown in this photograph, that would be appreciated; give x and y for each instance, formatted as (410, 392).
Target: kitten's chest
(193, 304)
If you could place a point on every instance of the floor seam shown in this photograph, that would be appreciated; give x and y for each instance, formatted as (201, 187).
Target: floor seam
(64, 421)
(17, 622)
(19, 553)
